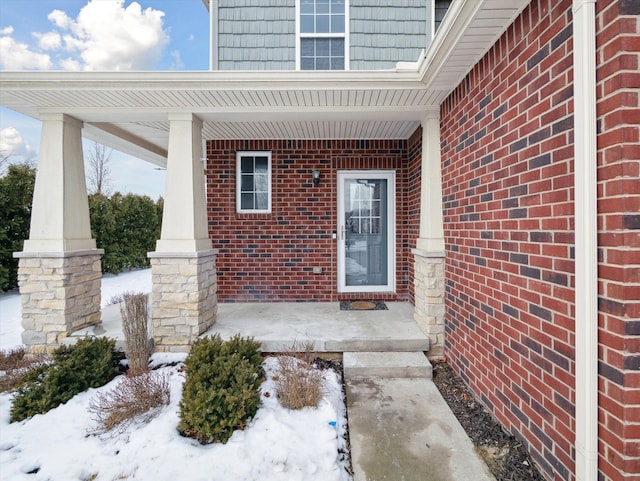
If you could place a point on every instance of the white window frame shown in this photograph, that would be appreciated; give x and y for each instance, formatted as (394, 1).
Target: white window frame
(344, 35)
(252, 153)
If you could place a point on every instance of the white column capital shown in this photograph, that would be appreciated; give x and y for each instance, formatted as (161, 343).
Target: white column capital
(432, 114)
(184, 116)
(60, 117)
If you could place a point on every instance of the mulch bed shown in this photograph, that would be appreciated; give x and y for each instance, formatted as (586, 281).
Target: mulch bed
(504, 454)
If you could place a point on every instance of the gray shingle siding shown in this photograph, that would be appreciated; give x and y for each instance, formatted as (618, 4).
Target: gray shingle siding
(256, 35)
(383, 32)
(260, 34)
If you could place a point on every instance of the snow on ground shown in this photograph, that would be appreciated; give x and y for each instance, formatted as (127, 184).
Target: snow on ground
(278, 445)
(11, 309)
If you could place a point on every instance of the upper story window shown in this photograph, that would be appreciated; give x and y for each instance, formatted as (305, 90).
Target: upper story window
(253, 181)
(322, 34)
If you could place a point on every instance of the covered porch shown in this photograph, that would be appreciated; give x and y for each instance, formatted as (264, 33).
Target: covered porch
(163, 117)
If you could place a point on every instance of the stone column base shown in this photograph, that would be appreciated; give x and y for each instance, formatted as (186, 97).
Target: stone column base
(60, 294)
(184, 300)
(429, 291)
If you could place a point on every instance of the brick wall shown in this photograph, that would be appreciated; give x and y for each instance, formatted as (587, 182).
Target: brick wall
(507, 191)
(413, 196)
(270, 257)
(508, 197)
(618, 50)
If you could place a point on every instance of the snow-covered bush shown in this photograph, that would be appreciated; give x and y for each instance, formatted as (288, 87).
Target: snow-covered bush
(91, 362)
(222, 388)
(138, 397)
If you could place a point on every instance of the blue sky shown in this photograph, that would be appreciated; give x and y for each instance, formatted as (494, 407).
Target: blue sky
(99, 35)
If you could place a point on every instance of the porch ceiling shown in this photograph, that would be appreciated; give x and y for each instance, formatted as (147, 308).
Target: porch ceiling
(128, 110)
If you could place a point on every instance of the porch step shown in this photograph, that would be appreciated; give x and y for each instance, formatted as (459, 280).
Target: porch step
(386, 365)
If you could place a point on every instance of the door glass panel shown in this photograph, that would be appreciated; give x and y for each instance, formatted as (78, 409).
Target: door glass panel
(365, 232)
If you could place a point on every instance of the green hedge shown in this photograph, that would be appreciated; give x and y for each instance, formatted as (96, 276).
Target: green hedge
(16, 193)
(126, 227)
(222, 389)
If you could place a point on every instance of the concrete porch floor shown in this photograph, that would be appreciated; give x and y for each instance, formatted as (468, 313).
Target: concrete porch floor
(279, 325)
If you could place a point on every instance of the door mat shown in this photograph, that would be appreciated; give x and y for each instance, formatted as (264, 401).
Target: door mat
(363, 306)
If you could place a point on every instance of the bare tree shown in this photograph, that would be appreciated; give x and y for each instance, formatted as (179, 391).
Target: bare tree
(99, 170)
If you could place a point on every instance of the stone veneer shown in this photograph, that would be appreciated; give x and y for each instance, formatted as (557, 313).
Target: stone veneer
(60, 294)
(183, 301)
(429, 298)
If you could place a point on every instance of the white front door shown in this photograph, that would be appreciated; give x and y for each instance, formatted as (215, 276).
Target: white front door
(366, 231)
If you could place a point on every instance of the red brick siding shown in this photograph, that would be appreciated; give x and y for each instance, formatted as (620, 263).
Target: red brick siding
(618, 87)
(270, 257)
(507, 136)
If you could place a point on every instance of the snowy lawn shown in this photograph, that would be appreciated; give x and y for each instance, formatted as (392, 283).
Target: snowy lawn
(279, 444)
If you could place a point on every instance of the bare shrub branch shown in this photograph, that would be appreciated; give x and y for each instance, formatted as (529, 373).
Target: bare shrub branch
(134, 309)
(14, 366)
(299, 384)
(135, 398)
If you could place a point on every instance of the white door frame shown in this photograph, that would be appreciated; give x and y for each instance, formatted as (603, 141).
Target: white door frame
(390, 177)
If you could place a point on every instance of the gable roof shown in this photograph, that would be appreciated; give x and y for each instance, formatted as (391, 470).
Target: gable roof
(128, 110)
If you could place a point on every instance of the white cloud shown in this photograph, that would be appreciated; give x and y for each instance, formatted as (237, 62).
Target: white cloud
(177, 63)
(107, 36)
(49, 40)
(59, 19)
(104, 36)
(12, 144)
(18, 56)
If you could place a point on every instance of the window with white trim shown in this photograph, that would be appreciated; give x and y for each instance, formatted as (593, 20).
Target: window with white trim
(253, 181)
(322, 40)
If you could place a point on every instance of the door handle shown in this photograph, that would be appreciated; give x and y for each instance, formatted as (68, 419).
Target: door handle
(342, 232)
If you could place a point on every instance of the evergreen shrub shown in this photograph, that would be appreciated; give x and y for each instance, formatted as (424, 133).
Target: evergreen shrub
(91, 362)
(222, 388)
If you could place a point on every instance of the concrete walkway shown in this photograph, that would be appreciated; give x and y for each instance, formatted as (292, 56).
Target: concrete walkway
(400, 427)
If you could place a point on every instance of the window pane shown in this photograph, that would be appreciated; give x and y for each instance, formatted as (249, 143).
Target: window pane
(307, 63)
(337, 23)
(246, 165)
(323, 47)
(337, 63)
(261, 183)
(246, 185)
(337, 47)
(246, 201)
(262, 201)
(262, 165)
(307, 47)
(322, 23)
(337, 6)
(323, 63)
(306, 6)
(306, 23)
(322, 6)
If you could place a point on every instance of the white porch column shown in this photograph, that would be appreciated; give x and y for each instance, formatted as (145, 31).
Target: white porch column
(59, 269)
(429, 253)
(184, 302)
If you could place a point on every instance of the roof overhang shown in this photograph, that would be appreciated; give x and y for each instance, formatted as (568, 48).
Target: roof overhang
(129, 110)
